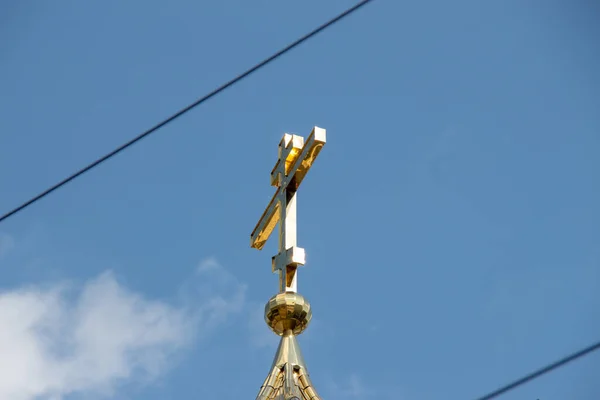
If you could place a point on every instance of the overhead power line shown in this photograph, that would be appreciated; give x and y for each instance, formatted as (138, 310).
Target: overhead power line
(541, 371)
(186, 109)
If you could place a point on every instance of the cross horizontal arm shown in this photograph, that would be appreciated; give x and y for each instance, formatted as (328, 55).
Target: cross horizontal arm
(289, 172)
(310, 151)
(266, 224)
(290, 148)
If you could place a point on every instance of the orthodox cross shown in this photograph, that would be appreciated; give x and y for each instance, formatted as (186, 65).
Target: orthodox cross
(295, 159)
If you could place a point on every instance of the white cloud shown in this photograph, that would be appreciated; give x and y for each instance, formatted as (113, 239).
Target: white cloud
(210, 264)
(59, 340)
(260, 334)
(7, 243)
(352, 387)
(215, 293)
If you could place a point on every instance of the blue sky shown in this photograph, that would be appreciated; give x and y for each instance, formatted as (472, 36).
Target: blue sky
(451, 223)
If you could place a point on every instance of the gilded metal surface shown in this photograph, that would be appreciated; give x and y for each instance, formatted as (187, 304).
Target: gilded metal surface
(287, 312)
(289, 376)
(296, 157)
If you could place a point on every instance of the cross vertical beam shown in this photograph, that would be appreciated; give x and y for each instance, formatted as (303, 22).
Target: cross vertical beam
(295, 159)
(288, 280)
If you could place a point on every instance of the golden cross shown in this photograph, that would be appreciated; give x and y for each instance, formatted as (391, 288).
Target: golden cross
(295, 159)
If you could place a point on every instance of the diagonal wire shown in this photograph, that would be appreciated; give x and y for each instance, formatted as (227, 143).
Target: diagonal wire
(541, 371)
(186, 109)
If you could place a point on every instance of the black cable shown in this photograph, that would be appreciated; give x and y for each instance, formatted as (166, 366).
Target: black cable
(541, 372)
(185, 110)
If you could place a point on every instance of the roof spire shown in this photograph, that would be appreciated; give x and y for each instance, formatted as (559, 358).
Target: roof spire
(287, 313)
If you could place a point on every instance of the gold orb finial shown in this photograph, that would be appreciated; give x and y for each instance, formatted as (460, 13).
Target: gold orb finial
(287, 313)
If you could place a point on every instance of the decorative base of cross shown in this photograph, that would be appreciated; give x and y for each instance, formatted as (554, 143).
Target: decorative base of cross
(288, 378)
(287, 313)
